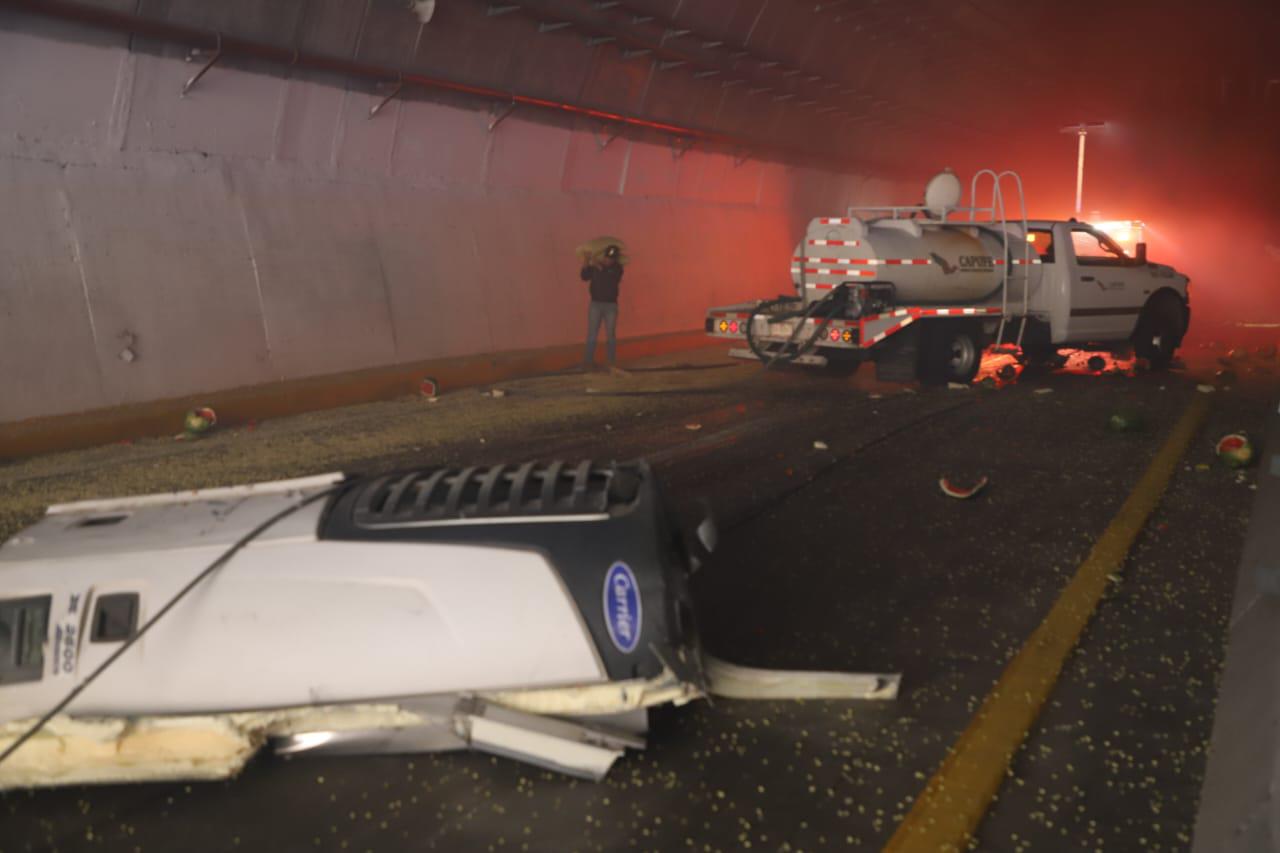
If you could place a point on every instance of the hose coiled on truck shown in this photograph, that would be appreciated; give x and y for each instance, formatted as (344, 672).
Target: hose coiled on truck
(834, 301)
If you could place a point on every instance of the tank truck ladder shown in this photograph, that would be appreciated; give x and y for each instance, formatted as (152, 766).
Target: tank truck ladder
(998, 216)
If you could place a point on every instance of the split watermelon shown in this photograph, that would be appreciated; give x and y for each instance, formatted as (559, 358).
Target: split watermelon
(952, 489)
(199, 421)
(1234, 450)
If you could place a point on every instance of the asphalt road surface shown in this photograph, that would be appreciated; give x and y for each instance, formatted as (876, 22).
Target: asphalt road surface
(847, 557)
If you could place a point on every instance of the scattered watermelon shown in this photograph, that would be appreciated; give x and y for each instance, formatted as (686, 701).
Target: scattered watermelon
(952, 489)
(429, 386)
(1096, 363)
(199, 421)
(1234, 450)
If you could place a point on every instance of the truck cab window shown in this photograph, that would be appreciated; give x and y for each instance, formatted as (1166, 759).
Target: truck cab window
(1094, 249)
(1042, 244)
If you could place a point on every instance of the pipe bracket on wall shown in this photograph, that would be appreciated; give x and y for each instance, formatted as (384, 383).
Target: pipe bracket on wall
(377, 108)
(497, 114)
(680, 145)
(195, 78)
(605, 135)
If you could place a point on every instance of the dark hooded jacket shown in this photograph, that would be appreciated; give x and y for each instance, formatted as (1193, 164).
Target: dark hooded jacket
(604, 281)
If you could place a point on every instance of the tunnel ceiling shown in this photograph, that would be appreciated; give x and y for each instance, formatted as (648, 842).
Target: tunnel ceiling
(847, 79)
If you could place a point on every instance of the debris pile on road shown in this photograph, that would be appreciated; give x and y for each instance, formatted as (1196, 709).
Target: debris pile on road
(584, 551)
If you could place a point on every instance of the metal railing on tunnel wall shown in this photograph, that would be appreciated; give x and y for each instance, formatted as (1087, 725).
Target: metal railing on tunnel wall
(213, 46)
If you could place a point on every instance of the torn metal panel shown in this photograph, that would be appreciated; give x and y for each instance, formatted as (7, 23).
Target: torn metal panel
(613, 698)
(743, 682)
(72, 751)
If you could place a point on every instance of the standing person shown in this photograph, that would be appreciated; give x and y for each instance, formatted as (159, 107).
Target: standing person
(605, 273)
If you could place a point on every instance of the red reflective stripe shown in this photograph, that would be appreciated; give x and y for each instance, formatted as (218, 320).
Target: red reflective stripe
(834, 220)
(864, 273)
(834, 243)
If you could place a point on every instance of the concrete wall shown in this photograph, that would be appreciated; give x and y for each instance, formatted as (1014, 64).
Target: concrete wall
(265, 228)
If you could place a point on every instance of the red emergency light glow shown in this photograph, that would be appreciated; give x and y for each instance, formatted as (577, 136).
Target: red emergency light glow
(835, 335)
(733, 327)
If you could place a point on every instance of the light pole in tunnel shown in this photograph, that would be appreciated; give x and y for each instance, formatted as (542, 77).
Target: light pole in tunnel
(1082, 130)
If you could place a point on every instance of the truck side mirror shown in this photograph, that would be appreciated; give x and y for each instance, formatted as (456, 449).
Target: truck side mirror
(1140, 253)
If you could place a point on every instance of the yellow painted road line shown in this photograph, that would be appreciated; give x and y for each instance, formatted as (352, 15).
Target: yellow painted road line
(947, 812)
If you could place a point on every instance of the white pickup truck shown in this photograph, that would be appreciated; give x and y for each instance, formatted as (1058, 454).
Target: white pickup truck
(923, 293)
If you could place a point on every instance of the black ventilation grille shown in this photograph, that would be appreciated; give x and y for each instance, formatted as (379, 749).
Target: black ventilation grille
(447, 495)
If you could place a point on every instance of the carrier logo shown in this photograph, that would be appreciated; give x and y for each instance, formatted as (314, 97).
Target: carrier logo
(966, 263)
(622, 607)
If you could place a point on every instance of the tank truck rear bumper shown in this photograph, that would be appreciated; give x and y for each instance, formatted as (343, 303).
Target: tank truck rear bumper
(840, 335)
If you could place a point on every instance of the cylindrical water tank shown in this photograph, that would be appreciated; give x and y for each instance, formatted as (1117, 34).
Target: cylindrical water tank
(927, 263)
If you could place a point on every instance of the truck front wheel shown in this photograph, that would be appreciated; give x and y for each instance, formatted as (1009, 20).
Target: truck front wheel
(951, 352)
(1158, 333)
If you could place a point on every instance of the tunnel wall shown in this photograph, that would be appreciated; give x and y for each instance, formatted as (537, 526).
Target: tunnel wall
(265, 228)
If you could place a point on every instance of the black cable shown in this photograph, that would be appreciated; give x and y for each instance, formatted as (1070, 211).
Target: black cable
(838, 295)
(222, 559)
(754, 512)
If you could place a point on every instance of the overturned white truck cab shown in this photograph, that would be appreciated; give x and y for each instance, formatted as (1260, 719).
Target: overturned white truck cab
(532, 611)
(923, 290)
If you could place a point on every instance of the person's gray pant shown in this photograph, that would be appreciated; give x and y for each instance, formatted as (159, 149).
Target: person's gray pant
(607, 313)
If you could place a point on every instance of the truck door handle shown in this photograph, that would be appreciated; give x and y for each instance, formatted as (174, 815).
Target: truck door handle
(1087, 278)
